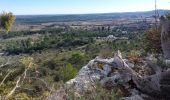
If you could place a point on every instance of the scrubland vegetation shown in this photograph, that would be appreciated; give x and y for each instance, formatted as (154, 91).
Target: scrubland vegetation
(36, 63)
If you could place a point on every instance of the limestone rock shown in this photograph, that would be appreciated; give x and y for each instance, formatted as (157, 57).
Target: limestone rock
(118, 72)
(58, 95)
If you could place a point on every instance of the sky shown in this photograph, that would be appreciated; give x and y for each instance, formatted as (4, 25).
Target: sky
(35, 7)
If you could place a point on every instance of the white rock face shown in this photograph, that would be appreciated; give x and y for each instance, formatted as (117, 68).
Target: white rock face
(136, 97)
(85, 80)
(91, 74)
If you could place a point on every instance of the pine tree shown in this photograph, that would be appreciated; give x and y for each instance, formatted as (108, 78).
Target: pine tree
(6, 21)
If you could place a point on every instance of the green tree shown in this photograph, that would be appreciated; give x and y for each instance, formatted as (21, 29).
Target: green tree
(6, 20)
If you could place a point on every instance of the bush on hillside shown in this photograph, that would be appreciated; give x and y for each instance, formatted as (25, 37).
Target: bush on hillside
(68, 72)
(152, 41)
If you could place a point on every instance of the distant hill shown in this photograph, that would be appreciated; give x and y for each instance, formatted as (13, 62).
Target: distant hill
(30, 19)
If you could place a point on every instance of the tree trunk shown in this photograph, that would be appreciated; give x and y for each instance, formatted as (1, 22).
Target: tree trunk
(165, 37)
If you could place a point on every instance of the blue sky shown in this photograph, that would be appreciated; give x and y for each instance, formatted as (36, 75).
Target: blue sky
(25, 7)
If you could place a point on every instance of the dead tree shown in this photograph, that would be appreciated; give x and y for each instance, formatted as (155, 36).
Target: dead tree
(165, 37)
(156, 85)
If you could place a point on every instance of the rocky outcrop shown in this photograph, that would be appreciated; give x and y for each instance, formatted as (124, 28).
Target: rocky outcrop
(141, 81)
(58, 95)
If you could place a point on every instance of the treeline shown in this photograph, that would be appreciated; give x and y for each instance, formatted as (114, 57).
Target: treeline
(46, 42)
(12, 34)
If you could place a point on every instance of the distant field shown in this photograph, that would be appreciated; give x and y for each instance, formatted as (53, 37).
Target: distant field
(34, 22)
(81, 17)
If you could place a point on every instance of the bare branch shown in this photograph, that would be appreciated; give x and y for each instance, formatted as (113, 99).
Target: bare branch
(51, 89)
(131, 70)
(26, 89)
(24, 75)
(42, 82)
(13, 90)
(7, 63)
(5, 77)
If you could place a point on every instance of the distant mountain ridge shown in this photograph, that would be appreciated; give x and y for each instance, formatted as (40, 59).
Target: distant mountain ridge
(83, 17)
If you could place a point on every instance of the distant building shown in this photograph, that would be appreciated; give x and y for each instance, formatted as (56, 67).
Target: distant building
(124, 32)
(111, 37)
(123, 38)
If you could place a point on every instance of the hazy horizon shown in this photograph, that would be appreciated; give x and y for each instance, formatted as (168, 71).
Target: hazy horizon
(46, 7)
(89, 13)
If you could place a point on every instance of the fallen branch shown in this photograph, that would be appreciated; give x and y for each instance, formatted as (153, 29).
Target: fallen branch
(24, 75)
(5, 77)
(26, 89)
(131, 70)
(3, 65)
(13, 90)
(51, 89)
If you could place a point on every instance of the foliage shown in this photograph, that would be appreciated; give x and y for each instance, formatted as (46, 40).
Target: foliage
(134, 56)
(68, 72)
(104, 94)
(27, 61)
(45, 42)
(14, 34)
(168, 15)
(22, 96)
(52, 49)
(152, 41)
(6, 20)
(78, 59)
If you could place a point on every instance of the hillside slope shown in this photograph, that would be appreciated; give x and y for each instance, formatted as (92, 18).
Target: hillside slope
(141, 81)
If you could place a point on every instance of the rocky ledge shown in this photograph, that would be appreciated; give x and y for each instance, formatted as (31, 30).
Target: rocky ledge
(139, 81)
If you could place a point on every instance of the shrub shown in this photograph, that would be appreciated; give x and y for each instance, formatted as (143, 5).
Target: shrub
(134, 56)
(78, 59)
(68, 72)
(152, 41)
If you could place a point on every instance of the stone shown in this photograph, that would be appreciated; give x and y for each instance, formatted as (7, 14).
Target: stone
(136, 97)
(58, 95)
